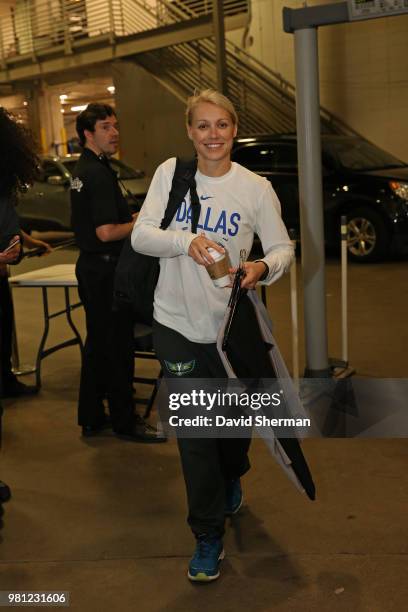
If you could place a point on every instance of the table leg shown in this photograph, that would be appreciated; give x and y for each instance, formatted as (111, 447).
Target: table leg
(43, 339)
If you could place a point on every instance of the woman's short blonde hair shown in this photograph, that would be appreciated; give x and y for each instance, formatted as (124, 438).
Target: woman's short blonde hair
(213, 97)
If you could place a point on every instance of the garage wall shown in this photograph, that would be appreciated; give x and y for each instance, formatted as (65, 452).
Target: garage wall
(151, 118)
(12, 102)
(371, 57)
(363, 68)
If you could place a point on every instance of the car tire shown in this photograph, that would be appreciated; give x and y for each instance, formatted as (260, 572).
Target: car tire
(368, 237)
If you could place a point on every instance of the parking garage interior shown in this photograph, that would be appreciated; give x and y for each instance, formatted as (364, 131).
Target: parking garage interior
(104, 520)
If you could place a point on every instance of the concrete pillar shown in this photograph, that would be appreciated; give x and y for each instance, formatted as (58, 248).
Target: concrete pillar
(152, 126)
(46, 120)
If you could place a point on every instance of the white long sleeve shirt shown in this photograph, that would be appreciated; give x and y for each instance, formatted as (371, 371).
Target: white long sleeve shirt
(233, 207)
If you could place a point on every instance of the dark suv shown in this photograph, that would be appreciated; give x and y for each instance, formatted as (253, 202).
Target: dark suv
(360, 180)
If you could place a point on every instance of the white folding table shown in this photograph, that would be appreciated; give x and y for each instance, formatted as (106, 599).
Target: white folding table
(62, 275)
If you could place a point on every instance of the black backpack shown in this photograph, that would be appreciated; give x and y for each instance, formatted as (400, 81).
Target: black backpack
(136, 275)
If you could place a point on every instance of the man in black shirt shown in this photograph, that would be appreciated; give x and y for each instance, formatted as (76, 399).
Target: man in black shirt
(101, 221)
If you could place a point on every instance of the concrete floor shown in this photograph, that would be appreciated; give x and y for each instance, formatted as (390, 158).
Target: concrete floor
(105, 519)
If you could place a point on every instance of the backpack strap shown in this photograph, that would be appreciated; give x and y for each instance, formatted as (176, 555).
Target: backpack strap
(183, 181)
(195, 206)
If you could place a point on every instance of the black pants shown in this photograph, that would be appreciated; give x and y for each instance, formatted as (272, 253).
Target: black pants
(1, 370)
(107, 364)
(6, 326)
(6, 323)
(207, 463)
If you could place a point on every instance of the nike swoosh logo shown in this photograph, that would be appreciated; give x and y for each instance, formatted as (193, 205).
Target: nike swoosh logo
(206, 197)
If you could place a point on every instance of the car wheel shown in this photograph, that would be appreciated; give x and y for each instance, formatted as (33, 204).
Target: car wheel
(368, 237)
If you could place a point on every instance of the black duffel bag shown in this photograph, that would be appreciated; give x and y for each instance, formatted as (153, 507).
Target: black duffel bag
(136, 274)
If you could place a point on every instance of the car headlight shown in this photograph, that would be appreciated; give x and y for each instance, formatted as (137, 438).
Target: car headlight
(400, 189)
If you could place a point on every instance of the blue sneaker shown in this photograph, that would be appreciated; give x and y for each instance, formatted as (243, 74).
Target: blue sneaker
(206, 559)
(233, 496)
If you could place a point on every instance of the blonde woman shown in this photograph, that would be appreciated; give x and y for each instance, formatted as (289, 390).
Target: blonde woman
(189, 308)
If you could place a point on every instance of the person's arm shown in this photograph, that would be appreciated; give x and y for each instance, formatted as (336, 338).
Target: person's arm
(33, 243)
(147, 237)
(277, 246)
(115, 231)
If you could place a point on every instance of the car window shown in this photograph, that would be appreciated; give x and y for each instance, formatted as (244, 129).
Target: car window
(287, 157)
(123, 171)
(70, 165)
(47, 169)
(357, 154)
(268, 157)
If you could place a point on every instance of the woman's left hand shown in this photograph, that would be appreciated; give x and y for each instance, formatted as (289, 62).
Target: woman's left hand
(253, 272)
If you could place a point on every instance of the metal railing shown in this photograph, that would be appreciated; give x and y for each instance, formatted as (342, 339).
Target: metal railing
(47, 24)
(264, 99)
(40, 25)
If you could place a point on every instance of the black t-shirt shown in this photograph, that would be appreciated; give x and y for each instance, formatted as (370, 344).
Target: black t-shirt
(96, 199)
(9, 223)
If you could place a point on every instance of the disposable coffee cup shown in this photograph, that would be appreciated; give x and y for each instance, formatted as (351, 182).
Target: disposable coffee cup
(218, 270)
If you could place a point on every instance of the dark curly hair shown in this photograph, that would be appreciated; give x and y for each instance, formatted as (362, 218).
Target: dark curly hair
(18, 157)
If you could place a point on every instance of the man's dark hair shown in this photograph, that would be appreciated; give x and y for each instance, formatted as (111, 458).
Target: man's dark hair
(88, 118)
(18, 159)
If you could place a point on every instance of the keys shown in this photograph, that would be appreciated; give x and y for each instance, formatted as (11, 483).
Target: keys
(242, 257)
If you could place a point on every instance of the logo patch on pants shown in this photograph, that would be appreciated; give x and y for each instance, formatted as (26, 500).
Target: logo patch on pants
(180, 368)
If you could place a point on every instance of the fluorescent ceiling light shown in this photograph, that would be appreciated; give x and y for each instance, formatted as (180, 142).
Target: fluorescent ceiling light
(77, 109)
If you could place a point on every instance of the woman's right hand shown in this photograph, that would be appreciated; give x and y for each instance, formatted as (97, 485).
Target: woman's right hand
(198, 250)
